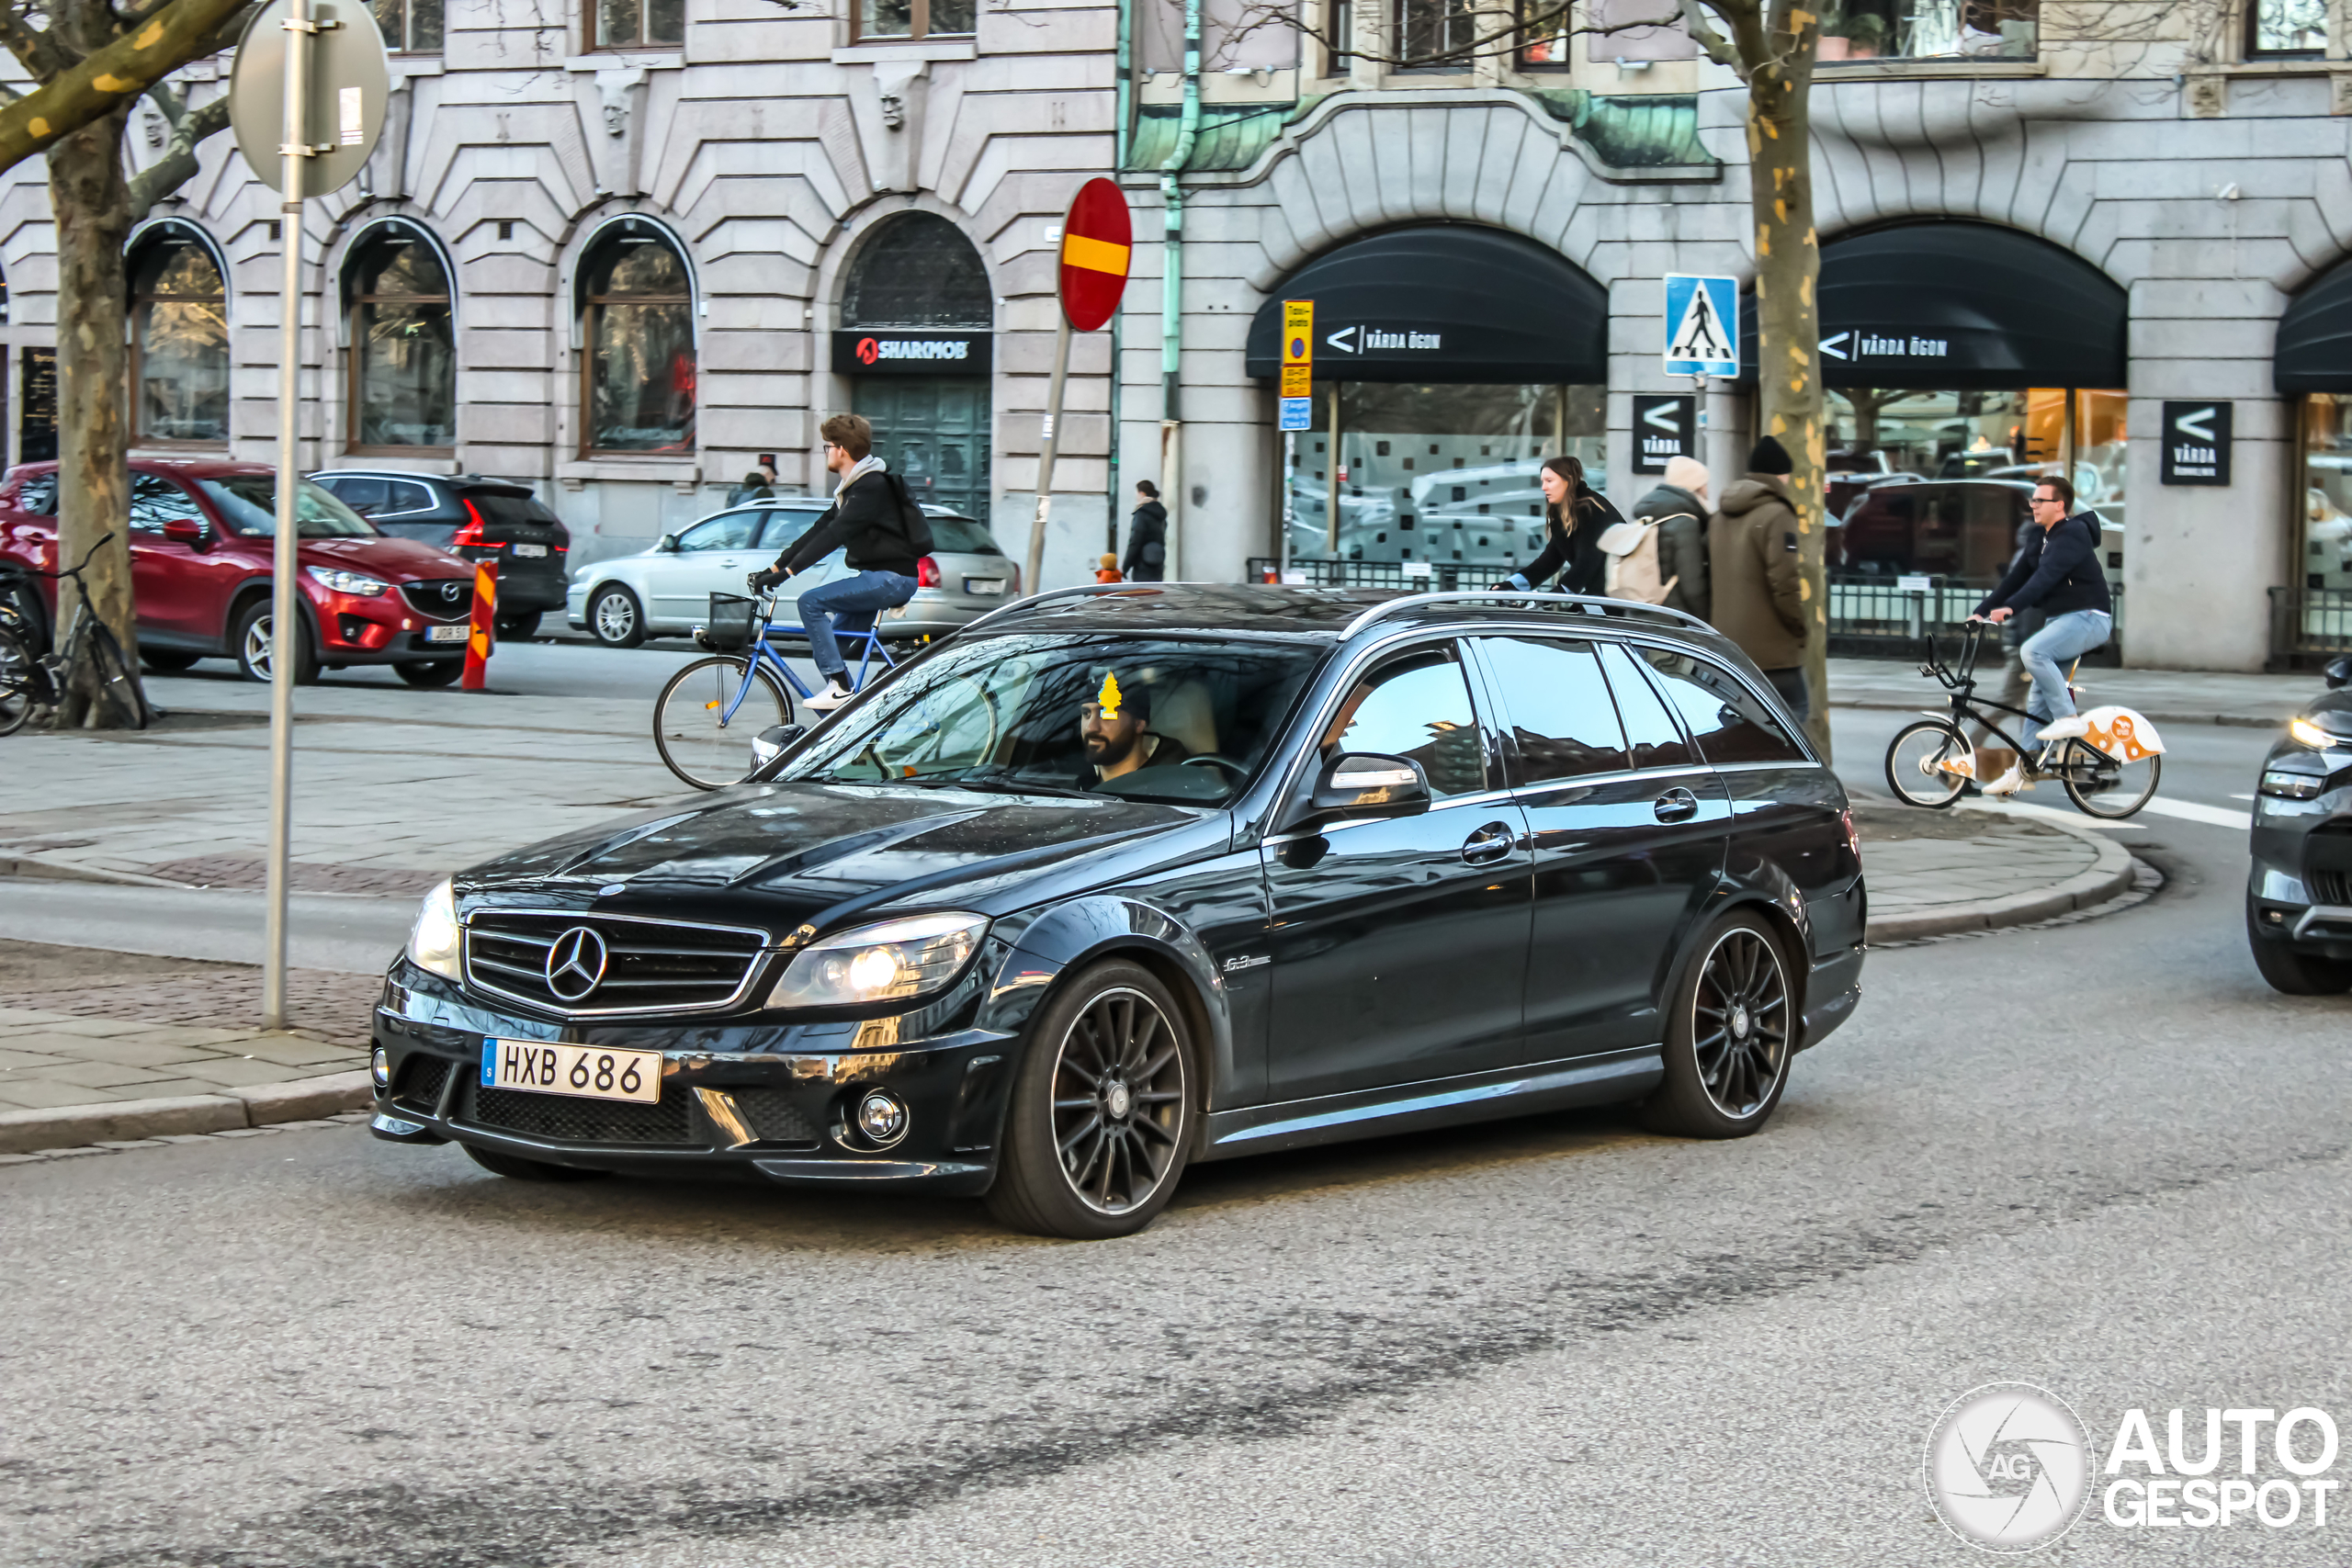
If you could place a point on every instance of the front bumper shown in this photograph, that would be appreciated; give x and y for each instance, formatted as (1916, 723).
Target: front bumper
(2298, 884)
(382, 629)
(755, 1100)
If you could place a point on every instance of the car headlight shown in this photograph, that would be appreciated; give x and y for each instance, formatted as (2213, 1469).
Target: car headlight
(342, 582)
(433, 941)
(887, 962)
(2289, 784)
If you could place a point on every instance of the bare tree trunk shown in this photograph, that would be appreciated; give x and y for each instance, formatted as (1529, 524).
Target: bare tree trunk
(1788, 326)
(92, 203)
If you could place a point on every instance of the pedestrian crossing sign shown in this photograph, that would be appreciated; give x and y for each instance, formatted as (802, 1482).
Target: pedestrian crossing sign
(1701, 325)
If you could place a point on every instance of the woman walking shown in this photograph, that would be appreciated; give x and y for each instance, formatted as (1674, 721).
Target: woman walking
(1147, 536)
(1574, 519)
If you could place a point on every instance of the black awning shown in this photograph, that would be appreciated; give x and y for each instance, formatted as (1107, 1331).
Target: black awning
(1962, 307)
(2315, 336)
(1443, 303)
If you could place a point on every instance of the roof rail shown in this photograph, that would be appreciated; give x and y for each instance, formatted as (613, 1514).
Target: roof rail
(1031, 601)
(1589, 603)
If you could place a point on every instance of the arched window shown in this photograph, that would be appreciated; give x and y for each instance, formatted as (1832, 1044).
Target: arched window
(179, 349)
(918, 271)
(403, 389)
(636, 364)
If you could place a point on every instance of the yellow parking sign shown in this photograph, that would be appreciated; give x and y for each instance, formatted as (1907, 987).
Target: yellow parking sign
(1298, 348)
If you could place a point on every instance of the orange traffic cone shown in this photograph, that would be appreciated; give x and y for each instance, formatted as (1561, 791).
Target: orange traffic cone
(484, 637)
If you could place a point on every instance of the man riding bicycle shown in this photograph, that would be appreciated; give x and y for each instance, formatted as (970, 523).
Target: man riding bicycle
(2060, 573)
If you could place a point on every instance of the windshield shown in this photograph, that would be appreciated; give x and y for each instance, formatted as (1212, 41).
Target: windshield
(249, 504)
(1161, 720)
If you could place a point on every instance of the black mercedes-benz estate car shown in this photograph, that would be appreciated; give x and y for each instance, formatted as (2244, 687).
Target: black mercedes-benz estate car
(2299, 894)
(1118, 880)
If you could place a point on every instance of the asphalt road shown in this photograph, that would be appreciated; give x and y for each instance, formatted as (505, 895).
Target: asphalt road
(2100, 1156)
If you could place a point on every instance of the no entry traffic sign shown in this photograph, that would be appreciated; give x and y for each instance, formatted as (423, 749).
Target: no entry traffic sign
(1097, 240)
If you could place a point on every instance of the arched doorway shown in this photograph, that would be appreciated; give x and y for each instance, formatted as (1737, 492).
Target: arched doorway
(916, 317)
(1452, 360)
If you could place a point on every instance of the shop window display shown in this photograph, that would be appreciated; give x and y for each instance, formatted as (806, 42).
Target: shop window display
(2327, 491)
(1928, 29)
(1443, 474)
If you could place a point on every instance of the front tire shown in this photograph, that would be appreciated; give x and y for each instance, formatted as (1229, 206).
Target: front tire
(1911, 763)
(1729, 1036)
(2290, 973)
(1100, 1123)
(515, 1168)
(697, 741)
(436, 672)
(251, 644)
(518, 628)
(20, 680)
(165, 661)
(616, 618)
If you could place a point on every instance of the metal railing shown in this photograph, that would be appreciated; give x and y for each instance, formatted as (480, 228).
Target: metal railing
(2309, 625)
(1431, 577)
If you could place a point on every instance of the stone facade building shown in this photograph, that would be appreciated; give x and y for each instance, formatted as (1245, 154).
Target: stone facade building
(624, 255)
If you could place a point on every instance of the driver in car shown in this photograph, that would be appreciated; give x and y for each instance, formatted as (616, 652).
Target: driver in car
(1112, 725)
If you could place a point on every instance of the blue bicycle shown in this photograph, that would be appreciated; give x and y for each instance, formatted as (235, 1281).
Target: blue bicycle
(709, 713)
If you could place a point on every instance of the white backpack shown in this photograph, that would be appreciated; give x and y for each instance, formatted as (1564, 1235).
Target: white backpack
(1632, 548)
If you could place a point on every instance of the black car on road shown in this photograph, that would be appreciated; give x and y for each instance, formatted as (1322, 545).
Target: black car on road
(2299, 893)
(475, 517)
(1122, 879)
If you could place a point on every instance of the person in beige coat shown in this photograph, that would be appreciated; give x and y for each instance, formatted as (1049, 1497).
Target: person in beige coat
(1758, 600)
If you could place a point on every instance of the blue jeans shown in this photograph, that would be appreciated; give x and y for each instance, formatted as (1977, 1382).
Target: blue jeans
(2046, 653)
(848, 604)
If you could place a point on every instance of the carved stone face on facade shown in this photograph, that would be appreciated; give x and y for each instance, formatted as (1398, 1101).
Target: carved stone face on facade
(894, 111)
(616, 108)
(151, 119)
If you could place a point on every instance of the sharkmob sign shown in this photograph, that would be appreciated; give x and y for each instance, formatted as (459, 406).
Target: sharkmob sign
(2196, 444)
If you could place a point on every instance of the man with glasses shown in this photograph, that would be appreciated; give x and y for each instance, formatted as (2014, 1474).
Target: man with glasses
(2060, 573)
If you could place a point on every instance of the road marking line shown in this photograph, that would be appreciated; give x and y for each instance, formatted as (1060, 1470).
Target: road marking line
(2189, 811)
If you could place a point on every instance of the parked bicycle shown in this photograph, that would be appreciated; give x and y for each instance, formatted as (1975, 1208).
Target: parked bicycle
(32, 682)
(709, 718)
(2109, 769)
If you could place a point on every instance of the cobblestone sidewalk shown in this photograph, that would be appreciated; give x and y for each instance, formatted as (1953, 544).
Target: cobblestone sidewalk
(1978, 868)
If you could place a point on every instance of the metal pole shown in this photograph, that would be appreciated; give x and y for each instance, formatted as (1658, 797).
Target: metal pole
(285, 627)
(1331, 496)
(1052, 437)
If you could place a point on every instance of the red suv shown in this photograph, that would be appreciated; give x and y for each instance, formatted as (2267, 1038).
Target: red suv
(202, 538)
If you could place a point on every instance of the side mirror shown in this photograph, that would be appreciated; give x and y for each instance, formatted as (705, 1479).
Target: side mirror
(768, 748)
(667, 544)
(189, 530)
(2339, 672)
(1359, 782)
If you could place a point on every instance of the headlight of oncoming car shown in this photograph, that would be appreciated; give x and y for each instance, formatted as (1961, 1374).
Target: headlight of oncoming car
(880, 962)
(2289, 783)
(433, 941)
(349, 581)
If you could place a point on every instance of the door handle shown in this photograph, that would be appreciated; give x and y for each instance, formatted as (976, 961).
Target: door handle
(1488, 844)
(1676, 805)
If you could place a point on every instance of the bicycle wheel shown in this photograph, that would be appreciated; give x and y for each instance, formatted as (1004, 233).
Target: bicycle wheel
(697, 742)
(117, 681)
(2105, 789)
(1913, 763)
(19, 679)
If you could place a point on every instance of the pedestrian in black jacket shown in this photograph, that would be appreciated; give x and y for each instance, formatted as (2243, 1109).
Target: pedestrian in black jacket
(1572, 532)
(2058, 571)
(869, 517)
(1147, 536)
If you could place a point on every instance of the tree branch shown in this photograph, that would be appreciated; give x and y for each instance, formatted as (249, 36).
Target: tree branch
(1712, 42)
(182, 31)
(178, 164)
(1502, 40)
(36, 50)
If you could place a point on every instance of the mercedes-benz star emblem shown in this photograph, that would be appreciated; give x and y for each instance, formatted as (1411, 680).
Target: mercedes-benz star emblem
(576, 964)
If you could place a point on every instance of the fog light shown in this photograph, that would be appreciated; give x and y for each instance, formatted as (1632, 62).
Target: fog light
(882, 1117)
(2276, 916)
(379, 1067)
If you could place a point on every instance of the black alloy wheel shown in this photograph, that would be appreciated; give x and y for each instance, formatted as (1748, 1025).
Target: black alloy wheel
(616, 619)
(1730, 1035)
(515, 1168)
(430, 672)
(2290, 973)
(1100, 1124)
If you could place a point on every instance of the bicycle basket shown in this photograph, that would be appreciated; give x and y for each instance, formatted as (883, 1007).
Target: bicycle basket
(730, 622)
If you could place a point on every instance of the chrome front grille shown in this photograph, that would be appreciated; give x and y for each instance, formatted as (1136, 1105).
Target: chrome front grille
(445, 599)
(650, 967)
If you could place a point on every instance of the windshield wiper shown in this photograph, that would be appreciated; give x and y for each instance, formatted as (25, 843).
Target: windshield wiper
(1014, 786)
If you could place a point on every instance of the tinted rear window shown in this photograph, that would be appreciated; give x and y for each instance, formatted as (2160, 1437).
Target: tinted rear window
(496, 508)
(962, 536)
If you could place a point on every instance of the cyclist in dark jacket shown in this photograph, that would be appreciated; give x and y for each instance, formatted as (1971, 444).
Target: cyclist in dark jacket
(1574, 519)
(868, 517)
(2061, 573)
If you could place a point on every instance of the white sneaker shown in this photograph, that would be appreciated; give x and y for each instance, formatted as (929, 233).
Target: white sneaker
(832, 696)
(2008, 782)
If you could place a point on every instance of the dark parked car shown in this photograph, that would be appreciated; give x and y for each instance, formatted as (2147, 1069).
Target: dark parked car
(1122, 879)
(203, 540)
(2299, 896)
(1943, 527)
(478, 518)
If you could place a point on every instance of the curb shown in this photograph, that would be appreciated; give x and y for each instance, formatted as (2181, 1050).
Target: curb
(2232, 721)
(2111, 876)
(304, 1100)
